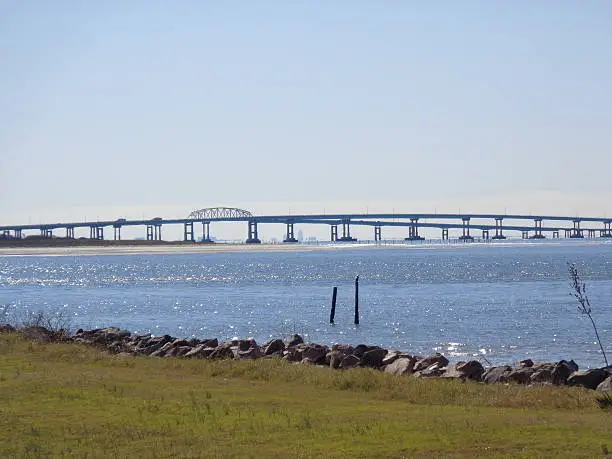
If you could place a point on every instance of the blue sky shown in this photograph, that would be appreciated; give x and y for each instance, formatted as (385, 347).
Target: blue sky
(132, 108)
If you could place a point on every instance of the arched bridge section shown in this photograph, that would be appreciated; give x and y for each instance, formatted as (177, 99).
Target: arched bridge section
(219, 213)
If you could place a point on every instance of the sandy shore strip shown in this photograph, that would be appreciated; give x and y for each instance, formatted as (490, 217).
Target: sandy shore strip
(172, 249)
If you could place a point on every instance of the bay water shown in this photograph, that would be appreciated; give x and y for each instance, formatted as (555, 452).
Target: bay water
(498, 301)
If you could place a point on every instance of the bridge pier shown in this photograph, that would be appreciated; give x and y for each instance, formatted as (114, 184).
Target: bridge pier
(346, 232)
(334, 233)
(499, 231)
(377, 233)
(591, 233)
(46, 233)
(555, 234)
(253, 236)
(289, 237)
(18, 234)
(117, 232)
(188, 235)
(466, 230)
(96, 232)
(538, 229)
(206, 232)
(6, 234)
(154, 232)
(525, 234)
(576, 231)
(445, 234)
(607, 231)
(485, 234)
(413, 231)
(567, 232)
(70, 232)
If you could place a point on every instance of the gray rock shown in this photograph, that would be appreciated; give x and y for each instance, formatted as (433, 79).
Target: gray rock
(562, 370)
(497, 374)
(373, 358)
(274, 346)
(350, 361)
(335, 358)
(315, 353)
(401, 366)
(521, 375)
(587, 378)
(251, 353)
(295, 340)
(605, 385)
(434, 370)
(471, 370)
(391, 357)
(223, 351)
(430, 360)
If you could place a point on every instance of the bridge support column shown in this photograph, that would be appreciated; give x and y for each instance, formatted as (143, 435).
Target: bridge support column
(485, 234)
(70, 232)
(188, 235)
(607, 231)
(18, 234)
(591, 233)
(289, 237)
(568, 232)
(413, 231)
(377, 233)
(555, 234)
(576, 231)
(96, 232)
(6, 234)
(149, 232)
(445, 234)
(154, 232)
(253, 236)
(538, 229)
(466, 230)
(46, 233)
(334, 233)
(525, 234)
(499, 231)
(117, 232)
(346, 232)
(206, 232)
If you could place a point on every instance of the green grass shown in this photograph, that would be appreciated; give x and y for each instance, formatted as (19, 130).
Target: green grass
(66, 400)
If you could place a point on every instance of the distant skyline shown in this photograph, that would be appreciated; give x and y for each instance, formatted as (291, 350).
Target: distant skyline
(131, 109)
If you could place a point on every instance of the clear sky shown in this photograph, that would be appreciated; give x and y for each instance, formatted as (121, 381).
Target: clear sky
(146, 108)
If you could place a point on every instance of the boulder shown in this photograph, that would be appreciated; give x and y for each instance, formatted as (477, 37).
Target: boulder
(521, 375)
(471, 370)
(315, 353)
(430, 360)
(274, 346)
(6, 328)
(587, 378)
(373, 358)
(527, 363)
(605, 385)
(335, 358)
(434, 370)
(251, 353)
(223, 351)
(346, 349)
(295, 340)
(562, 370)
(162, 351)
(391, 357)
(401, 366)
(496, 374)
(350, 361)
(542, 373)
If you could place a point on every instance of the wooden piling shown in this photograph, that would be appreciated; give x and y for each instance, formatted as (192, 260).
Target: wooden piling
(333, 307)
(357, 300)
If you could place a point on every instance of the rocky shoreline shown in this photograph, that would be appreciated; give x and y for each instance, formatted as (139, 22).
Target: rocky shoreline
(338, 357)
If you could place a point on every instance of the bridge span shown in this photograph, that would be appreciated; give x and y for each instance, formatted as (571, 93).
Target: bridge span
(492, 226)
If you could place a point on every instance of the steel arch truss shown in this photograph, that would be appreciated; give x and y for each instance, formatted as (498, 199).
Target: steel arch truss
(219, 212)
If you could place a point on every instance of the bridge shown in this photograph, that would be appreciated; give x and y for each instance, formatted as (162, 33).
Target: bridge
(491, 225)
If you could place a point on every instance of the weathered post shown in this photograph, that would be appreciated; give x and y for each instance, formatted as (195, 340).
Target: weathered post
(333, 308)
(357, 300)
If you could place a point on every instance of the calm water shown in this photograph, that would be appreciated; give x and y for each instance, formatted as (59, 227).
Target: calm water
(506, 301)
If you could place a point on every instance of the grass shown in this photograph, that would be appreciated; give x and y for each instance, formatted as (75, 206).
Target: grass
(67, 400)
